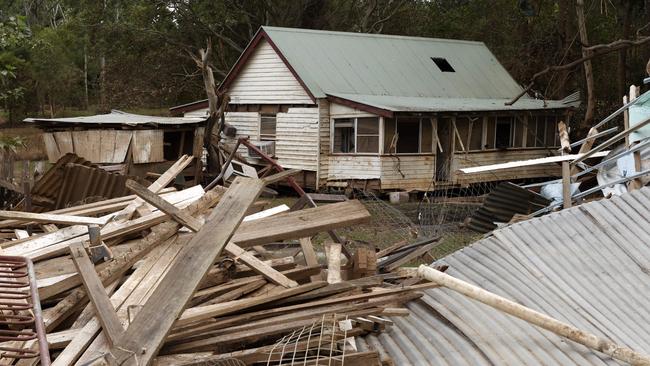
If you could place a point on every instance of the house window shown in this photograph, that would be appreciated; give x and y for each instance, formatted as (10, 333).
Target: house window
(413, 135)
(542, 132)
(356, 135)
(267, 127)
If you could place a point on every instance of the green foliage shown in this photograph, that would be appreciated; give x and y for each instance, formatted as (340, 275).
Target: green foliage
(11, 143)
(134, 54)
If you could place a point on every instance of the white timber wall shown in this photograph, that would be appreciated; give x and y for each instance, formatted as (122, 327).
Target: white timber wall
(343, 167)
(296, 142)
(265, 79)
(247, 124)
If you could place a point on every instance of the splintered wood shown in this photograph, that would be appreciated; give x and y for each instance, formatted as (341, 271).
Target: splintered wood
(190, 277)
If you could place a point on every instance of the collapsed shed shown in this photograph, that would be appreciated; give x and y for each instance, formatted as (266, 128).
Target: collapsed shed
(587, 266)
(129, 143)
(385, 112)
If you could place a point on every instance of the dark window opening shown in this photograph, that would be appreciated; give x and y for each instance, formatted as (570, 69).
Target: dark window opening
(177, 143)
(409, 136)
(503, 134)
(443, 64)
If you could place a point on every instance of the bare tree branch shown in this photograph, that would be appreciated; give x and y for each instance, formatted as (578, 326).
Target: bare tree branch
(598, 50)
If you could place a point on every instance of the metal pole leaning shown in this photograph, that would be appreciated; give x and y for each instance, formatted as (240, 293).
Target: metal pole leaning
(534, 317)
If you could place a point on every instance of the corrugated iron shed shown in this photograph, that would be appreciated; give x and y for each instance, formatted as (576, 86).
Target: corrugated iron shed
(72, 180)
(588, 266)
(502, 204)
(121, 118)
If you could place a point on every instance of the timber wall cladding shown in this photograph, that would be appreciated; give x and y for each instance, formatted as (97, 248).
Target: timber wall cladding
(106, 146)
(265, 79)
(296, 144)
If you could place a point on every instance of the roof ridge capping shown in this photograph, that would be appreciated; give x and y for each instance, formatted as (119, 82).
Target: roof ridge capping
(370, 35)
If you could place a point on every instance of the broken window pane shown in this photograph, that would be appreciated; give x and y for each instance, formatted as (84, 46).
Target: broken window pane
(518, 133)
(540, 132)
(389, 134)
(477, 134)
(530, 132)
(503, 132)
(344, 135)
(368, 135)
(427, 136)
(491, 127)
(551, 131)
(462, 125)
(267, 127)
(408, 130)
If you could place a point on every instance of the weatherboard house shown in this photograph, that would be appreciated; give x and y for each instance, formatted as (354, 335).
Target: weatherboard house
(385, 112)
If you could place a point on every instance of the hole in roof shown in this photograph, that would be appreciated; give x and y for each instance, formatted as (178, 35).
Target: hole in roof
(443, 64)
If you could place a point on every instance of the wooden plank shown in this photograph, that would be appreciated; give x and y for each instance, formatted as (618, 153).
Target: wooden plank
(107, 146)
(64, 142)
(310, 255)
(333, 252)
(53, 316)
(51, 148)
(280, 176)
(52, 219)
(199, 313)
(179, 216)
(122, 142)
(147, 146)
(155, 187)
(195, 225)
(95, 291)
(148, 330)
(299, 224)
(260, 267)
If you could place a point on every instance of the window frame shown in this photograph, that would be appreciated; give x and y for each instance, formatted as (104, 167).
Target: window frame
(265, 137)
(420, 131)
(355, 119)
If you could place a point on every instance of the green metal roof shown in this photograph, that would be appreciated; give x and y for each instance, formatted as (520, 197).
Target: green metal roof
(336, 63)
(420, 104)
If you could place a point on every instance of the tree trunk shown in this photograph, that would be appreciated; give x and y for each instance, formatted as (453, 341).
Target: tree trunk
(102, 83)
(624, 20)
(85, 78)
(589, 76)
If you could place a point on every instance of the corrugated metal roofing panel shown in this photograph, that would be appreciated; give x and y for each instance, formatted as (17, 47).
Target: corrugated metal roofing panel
(588, 266)
(420, 104)
(122, 118)
(384, 65)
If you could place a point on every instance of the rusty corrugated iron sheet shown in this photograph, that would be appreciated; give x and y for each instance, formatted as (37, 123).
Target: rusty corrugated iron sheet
(502, 204)
(588, 266)
(74, 180)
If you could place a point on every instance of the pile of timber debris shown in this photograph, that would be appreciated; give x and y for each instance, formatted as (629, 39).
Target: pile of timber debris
(183, 277)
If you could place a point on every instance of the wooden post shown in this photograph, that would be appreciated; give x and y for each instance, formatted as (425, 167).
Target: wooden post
(635, 183)
(566, 166)
(534, 317)
(566, 184)
(333, 251)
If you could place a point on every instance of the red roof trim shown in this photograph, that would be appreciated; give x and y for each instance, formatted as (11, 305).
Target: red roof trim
(363, 107)
(248, 52)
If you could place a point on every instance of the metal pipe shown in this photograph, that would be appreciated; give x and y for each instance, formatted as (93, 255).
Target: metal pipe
(613, 115)
(611, 141)
(599, 134)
